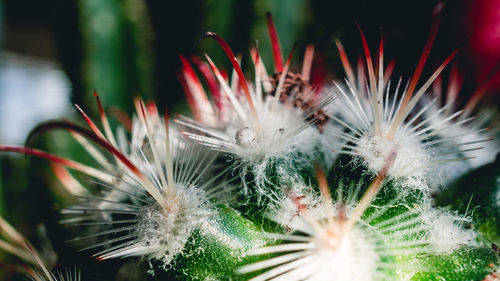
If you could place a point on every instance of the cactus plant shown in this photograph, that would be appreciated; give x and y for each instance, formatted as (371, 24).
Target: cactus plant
(284, 178)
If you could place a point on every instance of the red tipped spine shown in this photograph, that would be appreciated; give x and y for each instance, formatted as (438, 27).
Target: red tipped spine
(275, 43)
(195, 94)
(90, 123)
(237, 68)
(211, 81)
(66, 125)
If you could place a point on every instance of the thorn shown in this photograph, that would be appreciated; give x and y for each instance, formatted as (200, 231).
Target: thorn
(275, 43)
(239, 72)
(206, 34)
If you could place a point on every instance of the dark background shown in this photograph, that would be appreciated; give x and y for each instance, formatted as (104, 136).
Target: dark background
(52, 29)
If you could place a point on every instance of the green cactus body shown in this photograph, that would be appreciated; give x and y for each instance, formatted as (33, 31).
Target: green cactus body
(406, 229)
(218, 248)
(466, 263)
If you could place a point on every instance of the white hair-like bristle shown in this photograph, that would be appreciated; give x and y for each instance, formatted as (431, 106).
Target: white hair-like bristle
(312, 249)
(255, 128)
(154, 200)
(384, 117)
(59, 275)
(467, 131)
(139, 225)
(447, 230)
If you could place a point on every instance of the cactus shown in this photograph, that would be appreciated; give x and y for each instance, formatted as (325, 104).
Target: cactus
(284, 178)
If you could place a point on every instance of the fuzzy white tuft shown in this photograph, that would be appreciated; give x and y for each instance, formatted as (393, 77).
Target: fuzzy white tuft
(378, 119)
(374, 149)
(136, 224)
(283, 208)
(446, 230)
(153, 200)
(163, 232)
(275, 134)
(259, 127)
(320, 242)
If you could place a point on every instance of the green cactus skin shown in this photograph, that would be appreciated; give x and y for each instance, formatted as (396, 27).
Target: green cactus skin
(218, 248)
(466, 263)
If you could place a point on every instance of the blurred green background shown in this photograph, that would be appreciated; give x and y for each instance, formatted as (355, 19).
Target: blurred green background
(55, 53)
